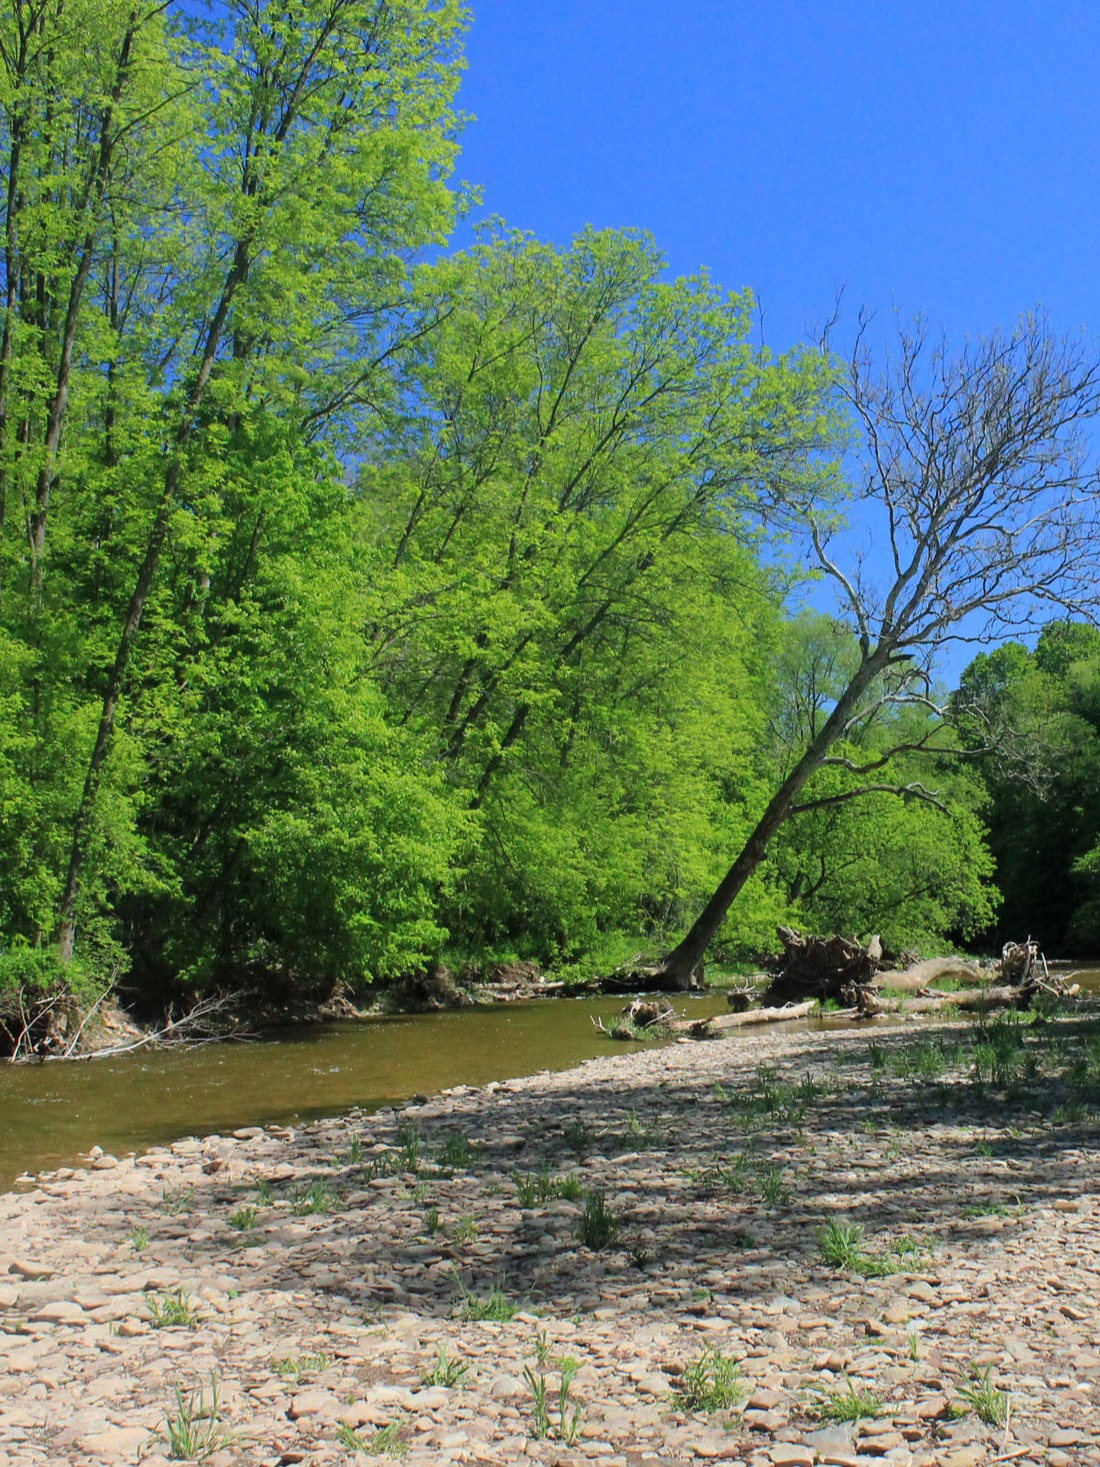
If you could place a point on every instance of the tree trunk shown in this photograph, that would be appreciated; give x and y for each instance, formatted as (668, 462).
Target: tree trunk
(682, 961)
(928, 974)
(173, 476)
(710, 1028)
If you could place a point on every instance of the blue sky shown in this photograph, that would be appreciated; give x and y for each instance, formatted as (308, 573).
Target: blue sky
(937, 157)
(930, 156)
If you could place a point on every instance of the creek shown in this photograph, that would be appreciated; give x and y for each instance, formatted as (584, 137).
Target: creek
(52, 1114)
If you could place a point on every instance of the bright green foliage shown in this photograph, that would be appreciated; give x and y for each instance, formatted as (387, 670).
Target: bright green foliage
(912, 869)
(569, 608)
(350, 610)
(204, 233)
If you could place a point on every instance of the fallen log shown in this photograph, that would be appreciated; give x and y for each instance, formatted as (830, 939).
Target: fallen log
(967, 1000)
(711, 1028)
(928, 974)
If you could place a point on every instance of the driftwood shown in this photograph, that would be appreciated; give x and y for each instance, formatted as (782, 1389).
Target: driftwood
(1023, 963)
(967, 1000)
(643, 1015)
(928, 974)
(822, 967)
(711, 1028)
(640, 1017)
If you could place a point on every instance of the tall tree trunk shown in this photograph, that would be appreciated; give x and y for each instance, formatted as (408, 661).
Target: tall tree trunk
(173, 476)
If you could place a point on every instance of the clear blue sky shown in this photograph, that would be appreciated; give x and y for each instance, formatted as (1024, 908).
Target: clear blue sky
(936, 155)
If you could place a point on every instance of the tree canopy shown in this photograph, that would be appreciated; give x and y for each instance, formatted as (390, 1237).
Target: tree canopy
(360, 608)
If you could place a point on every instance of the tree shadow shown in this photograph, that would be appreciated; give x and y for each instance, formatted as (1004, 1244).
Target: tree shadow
(719, 1190)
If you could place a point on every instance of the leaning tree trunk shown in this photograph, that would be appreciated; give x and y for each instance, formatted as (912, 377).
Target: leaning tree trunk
(678, 968)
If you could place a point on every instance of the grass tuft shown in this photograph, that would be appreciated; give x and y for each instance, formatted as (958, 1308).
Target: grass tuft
(169, 1310)
(711, 1383)
(988, 1402)
(195, 1431)
(445, 1371)
(849, 1404)
(597, 1226)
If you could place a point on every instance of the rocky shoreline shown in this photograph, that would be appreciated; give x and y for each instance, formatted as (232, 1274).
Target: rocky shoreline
(661, 1228)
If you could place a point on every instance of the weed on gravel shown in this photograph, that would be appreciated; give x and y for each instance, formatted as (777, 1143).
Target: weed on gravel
(316, 1197)
(710, 1383)
(294, 1367)
(195, 1432)
(567, 1428)
(988, 1402)
(169, 1310)
(387, 1442)
(543, 1186)
(597, 1226)
(446, 1371)
(841, 1246)
(849, 1404)
(495, 1305)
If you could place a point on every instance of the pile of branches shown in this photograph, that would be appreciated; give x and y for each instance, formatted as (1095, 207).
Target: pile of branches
(51, 1026)
(842, 969)
(644, 1018)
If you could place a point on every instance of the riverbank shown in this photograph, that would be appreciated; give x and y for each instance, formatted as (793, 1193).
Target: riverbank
(345, 1286)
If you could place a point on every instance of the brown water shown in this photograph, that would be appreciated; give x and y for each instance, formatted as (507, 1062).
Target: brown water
(52, 1114)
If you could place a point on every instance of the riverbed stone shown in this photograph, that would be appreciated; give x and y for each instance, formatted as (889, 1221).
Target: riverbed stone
(341, 1315)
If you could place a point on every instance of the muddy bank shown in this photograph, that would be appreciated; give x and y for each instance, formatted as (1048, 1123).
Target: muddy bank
(331, 1280)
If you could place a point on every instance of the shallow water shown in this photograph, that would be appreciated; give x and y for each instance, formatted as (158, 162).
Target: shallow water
(52, 1114)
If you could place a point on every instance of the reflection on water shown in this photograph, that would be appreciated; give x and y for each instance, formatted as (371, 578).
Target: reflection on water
(50, 1114)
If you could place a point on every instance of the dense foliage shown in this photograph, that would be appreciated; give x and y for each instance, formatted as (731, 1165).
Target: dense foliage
(1040, 710)
(354, 613)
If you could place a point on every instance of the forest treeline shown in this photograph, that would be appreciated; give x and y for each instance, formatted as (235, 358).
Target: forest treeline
(366, 602)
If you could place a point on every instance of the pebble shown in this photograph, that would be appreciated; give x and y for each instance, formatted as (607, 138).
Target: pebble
(313, 1322)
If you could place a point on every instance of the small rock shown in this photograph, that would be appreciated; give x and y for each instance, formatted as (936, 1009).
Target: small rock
(763, 1399)
(114, 1443)
(61, 1312)
(314, 1403)
(880, 1444)
(27, 1269)
(790, 1454)
(503, 1387)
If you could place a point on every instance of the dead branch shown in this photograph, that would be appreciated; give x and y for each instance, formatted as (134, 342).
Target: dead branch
(711, 1028)
(194, 1028)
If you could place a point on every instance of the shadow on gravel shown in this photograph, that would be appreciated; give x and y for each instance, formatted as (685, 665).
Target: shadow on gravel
(927, 1140)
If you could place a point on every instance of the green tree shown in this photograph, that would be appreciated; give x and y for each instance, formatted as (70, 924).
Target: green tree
(565, 512)
(207, 233)
(1038, 713)
(972, 467)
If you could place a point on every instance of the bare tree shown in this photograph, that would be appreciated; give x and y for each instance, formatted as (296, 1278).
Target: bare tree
(973, 476)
